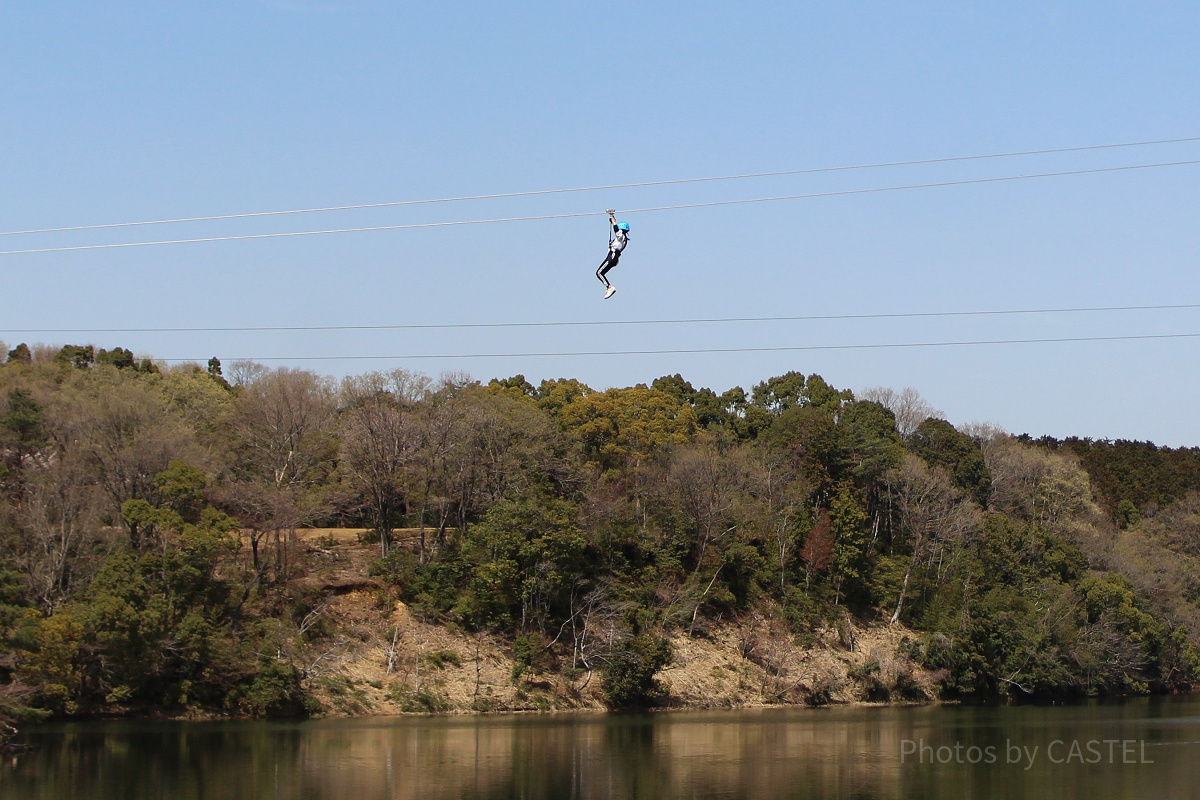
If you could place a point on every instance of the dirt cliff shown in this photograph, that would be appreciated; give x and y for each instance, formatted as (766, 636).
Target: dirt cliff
(377, 655)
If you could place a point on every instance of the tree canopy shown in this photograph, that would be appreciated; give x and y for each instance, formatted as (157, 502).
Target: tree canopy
(150, 555)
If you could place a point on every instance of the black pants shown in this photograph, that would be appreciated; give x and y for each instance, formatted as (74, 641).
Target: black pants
(609, 262)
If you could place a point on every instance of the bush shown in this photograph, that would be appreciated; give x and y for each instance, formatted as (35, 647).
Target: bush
(822, 692)
(628, 680)
(399, 568)
(440, 659)
(869, 677)
(419, 701)
(275, 691)
(525, 651)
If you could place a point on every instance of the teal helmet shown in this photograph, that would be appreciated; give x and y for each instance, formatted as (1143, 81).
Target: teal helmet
(624, 226)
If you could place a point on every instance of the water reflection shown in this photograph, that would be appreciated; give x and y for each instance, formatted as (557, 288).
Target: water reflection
(795, 753)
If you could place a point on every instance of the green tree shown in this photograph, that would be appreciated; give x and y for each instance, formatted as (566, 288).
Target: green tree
(214, 371)
(118, 357)
(778, 394)
(76, 355)
(869, 443)
(941, 445)
(624, 427)
(554, 395)
(20, 354)
(516, 386)
(711, 410)
(851, 540)
(152, 627)
(23, 432)
(528, 558)
(181, 487)
(676, 387)
(629, 673)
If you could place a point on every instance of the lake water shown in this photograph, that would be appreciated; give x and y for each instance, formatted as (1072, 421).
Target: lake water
(1143, 748)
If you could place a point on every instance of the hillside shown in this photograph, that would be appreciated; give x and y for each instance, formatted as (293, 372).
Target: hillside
(387, 657)
(175, 541)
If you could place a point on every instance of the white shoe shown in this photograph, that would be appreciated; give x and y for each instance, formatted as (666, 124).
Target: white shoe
(610, 292)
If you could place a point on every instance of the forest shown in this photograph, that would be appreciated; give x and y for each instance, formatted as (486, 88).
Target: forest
(153, 554)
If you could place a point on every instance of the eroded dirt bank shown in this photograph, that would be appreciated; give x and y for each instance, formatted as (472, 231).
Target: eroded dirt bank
(378, 655)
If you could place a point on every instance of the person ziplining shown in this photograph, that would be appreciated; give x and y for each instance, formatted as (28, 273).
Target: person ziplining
(618, 237)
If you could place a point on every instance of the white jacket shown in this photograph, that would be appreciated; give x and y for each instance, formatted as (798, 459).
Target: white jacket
(620, 239)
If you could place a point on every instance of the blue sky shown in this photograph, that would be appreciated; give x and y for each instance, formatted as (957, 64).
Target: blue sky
(139, 111)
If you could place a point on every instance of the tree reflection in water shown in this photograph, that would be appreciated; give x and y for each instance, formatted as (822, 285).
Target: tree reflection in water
(778, 753)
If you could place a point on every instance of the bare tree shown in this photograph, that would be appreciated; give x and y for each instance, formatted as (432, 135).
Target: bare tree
(909, 408)
(244, 373)
(283, 424)
(51, 519)
(933, 513)
(597, 630)
(125, 429)
(1016, 470)
(982, 432)
(782, 496)
(476, 447)
(442, 462)
(511, 441)
(1050, 488)
(199, 400)
(380, 443)
(60, 538)
(705, 481)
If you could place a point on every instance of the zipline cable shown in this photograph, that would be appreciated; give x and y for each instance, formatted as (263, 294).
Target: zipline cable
(715, 350)
(711, 204)
(613, 186)
(594, 323)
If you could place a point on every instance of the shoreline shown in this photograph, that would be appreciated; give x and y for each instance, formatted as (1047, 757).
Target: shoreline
(201, 717)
